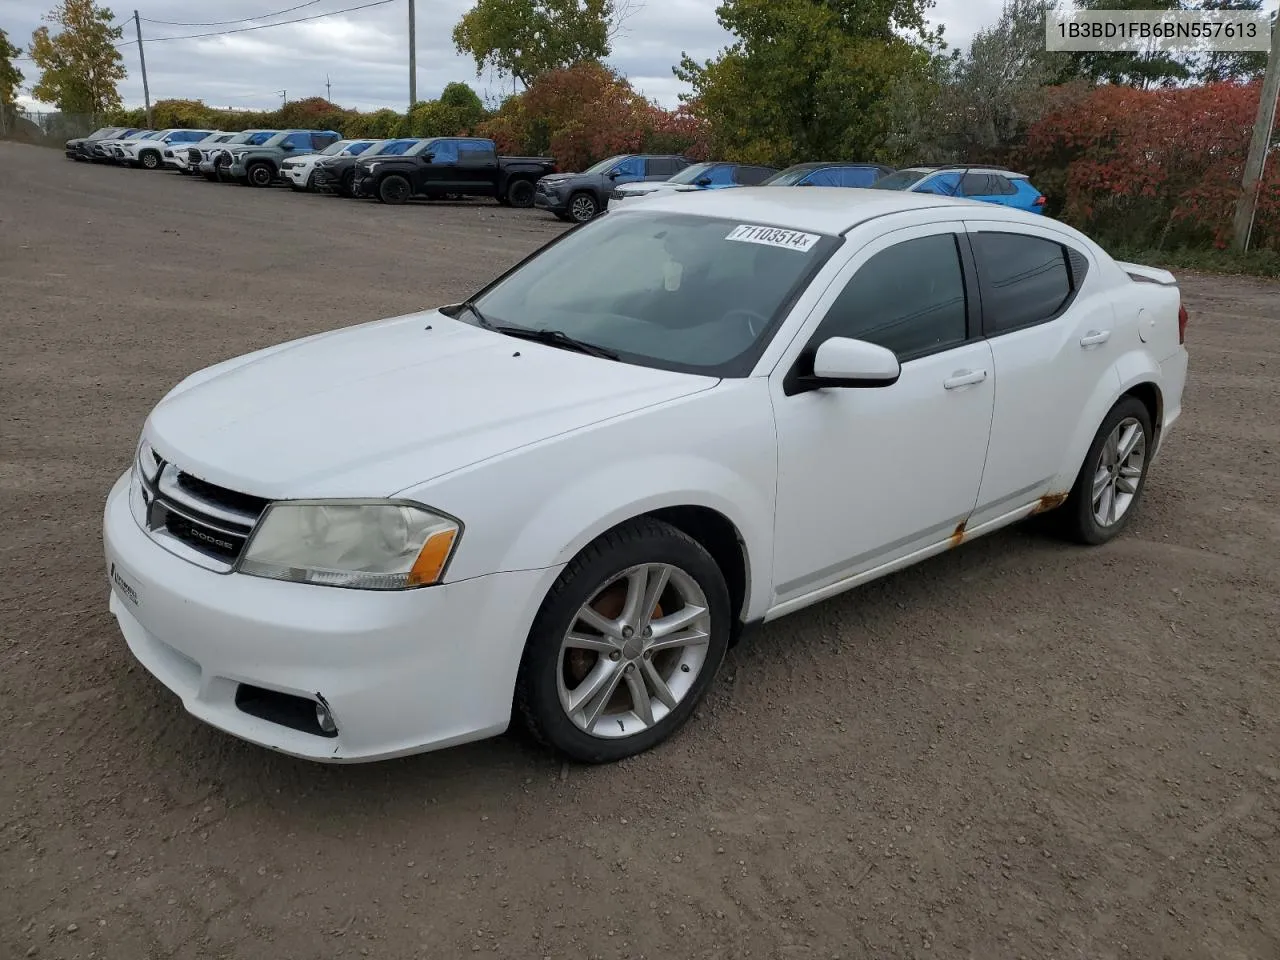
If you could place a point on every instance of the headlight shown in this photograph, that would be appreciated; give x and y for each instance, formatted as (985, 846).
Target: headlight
(364, 544)
(370, 168)
(239, 154)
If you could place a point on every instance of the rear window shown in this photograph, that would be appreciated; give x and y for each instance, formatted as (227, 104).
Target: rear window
(1026, 280)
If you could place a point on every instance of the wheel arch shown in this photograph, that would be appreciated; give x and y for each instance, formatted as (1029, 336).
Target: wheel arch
(1134, 374)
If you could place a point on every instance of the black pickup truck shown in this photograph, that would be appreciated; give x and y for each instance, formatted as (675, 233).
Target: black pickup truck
(450, 166)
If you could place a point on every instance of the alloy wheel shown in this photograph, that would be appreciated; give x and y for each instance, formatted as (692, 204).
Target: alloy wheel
(583, 208)
(633, 651)
(1119, 472)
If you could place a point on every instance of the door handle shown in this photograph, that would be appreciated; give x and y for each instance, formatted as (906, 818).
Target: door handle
(964, 378)
(1094, 337)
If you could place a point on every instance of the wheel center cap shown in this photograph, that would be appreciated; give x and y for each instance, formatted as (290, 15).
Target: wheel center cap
(633, 648)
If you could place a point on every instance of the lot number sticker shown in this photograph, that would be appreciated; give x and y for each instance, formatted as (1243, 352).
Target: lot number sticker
(773, 237)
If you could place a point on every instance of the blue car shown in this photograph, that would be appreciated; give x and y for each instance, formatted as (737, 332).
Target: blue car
(699, 176)
(829, 174)
(986, 183)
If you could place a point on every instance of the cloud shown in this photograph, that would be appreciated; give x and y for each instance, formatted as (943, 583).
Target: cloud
(364, 54)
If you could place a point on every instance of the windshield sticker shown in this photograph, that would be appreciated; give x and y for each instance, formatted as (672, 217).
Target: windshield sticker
(774, 237)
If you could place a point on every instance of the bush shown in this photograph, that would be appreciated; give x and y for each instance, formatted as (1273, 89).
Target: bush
(1153, 168)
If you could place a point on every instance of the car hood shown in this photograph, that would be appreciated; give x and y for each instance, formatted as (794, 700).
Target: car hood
(552, 179)
(374, 409)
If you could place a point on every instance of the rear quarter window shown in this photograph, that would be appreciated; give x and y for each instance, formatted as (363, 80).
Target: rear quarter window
(1026, 280)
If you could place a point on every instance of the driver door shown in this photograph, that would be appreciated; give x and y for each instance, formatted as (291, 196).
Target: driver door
(871, 475)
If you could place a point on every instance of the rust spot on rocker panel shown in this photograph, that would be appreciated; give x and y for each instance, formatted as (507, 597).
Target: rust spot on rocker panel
(1051, 501)
(957, 537)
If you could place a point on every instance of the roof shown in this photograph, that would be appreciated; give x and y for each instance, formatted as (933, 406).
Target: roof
(967, 168)
(829, 210)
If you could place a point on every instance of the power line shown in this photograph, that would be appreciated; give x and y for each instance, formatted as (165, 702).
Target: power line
(223, 23)
(282, 23)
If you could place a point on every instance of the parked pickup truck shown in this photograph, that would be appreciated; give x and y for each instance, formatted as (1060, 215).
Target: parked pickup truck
(462, 166)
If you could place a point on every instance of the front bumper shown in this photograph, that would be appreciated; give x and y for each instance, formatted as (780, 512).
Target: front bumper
(551, 202)
(364, 185)
(297, 176)
(235, 171)
(400, 672)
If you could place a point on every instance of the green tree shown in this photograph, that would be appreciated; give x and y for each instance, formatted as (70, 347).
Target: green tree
(527, 38)
(80, 65)
(10, 76)
(1225, 65)
(458, 110)
(809, 79)
(1154, 68)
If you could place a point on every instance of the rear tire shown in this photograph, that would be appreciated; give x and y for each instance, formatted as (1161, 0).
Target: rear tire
(652, 691)
(394, 189)
(1108, 490)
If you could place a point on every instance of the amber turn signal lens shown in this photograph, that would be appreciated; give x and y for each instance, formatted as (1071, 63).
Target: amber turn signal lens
(432, 557)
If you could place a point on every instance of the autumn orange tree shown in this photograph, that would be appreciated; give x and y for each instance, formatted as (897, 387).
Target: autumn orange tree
(586, 112)
(1157, 167)
(80, 65)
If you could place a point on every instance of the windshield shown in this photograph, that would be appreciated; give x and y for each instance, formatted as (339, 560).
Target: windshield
(901, 180)
(669, 290)
(412, 150)
(691, 174)
(274, 139)
(335, 148)
(789, 177)
(213, 138)
(604, 165)
(102, 132)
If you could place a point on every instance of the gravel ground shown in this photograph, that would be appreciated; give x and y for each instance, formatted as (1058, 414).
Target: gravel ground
(1019, 749)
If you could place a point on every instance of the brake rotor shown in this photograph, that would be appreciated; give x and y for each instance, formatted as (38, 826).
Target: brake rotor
(579, 663)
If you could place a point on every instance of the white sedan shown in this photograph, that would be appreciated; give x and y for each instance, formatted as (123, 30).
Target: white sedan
(563, 499)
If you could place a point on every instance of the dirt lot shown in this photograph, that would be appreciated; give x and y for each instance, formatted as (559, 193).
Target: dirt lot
(1019, 749)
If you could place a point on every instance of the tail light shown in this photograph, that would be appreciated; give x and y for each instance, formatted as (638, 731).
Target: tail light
(1182, 323)
(1040, 201)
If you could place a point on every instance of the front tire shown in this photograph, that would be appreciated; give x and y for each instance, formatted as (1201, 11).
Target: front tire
(150, 160)
(394, 189)
(627, 643)
(1109, 487)
(583, 207)
(259, 175)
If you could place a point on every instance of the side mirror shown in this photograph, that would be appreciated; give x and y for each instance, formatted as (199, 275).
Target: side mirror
(845, 362)
(286, 147)
(704, 181)
(613, 174)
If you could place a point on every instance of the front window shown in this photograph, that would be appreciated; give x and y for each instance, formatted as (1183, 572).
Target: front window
(693, 174)
(902, 180)
(675, 291)
(789, 177)
(605, 165)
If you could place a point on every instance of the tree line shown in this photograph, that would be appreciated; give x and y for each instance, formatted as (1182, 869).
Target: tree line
(810, 79)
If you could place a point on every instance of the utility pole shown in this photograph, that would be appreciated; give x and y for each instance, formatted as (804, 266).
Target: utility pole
(328, 89)
(1259, 146)
(284, 99)
(413, 57)
(146, 91)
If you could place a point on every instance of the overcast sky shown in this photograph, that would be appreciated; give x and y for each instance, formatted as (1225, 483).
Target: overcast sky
(364, 53)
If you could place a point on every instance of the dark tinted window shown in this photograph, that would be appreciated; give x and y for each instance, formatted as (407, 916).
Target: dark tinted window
(1003, 186)
(475, 152)
(662, 167)
(321, 140)
(752, 176)
(299, 141)
(1025, 279)
(909, 298)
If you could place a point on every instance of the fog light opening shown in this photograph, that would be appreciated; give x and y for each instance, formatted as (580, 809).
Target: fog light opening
(325, 719)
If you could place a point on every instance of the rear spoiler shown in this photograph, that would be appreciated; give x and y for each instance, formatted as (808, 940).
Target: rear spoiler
(1153, 274)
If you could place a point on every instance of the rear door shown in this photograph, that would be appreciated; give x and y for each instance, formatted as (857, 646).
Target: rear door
(1051, 336)
(661, 168)
(477, 168)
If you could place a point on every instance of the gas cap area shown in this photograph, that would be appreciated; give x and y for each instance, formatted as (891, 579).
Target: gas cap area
(1146, 323)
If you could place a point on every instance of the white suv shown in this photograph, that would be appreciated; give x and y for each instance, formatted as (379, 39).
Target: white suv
(565, 497)
(298, 170)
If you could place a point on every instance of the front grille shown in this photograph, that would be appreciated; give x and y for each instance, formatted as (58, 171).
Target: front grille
(210, 519)
(224, 159)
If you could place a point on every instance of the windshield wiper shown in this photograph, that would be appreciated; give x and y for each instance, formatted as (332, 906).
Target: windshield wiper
(553, 338)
